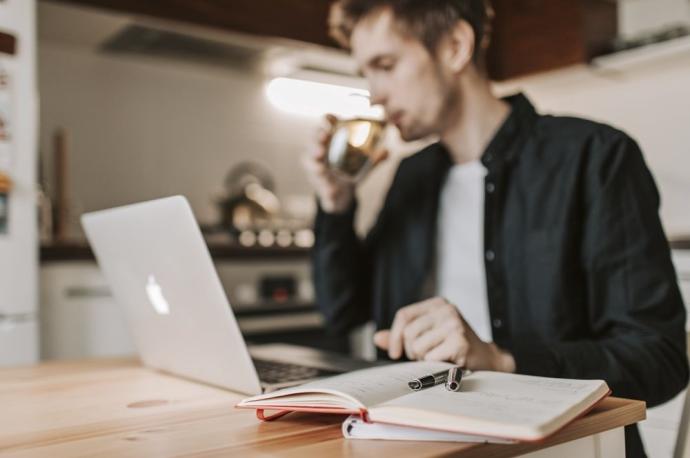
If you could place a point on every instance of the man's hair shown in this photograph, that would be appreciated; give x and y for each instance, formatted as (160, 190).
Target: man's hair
(426, 20)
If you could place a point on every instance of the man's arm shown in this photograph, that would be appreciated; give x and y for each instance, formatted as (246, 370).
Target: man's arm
(341, 269)
(340, 263)
(343, 264)
(637, 318)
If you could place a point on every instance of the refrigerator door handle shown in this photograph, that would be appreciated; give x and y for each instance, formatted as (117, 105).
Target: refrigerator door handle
(10, 321)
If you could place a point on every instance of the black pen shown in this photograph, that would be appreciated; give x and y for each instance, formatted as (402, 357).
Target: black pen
(429, 380)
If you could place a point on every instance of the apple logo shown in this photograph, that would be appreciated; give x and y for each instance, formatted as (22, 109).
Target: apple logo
(155, 294)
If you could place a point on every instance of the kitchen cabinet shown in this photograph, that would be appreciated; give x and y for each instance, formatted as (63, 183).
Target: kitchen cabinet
(18, 342)
(80, 318)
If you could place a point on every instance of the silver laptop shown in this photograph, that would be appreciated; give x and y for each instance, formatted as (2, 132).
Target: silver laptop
(158, 266)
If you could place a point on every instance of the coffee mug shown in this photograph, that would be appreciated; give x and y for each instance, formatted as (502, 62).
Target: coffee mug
(355, 146)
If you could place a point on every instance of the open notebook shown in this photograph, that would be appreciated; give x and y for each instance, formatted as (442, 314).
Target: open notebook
(491, 404)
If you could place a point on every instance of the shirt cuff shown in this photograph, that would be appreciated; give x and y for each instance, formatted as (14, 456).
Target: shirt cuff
(335, 224)
(535, 358)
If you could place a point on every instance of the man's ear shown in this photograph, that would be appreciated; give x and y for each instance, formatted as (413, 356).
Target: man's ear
(457, 48)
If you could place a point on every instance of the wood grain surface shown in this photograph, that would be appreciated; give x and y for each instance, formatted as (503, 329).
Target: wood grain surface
(105, 408)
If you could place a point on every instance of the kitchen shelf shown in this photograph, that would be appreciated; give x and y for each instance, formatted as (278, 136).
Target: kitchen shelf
(80, 251)
(681, 243)
(241, 311)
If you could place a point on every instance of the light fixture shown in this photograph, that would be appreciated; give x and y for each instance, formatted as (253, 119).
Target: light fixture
(312, 98)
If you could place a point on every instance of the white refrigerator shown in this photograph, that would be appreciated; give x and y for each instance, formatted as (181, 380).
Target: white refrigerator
(18, 156)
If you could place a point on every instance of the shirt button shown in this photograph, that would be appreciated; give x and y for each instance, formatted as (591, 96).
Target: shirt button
(490, 188)
(490, 255)
(497, 323)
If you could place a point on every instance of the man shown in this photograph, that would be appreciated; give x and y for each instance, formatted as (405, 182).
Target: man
(518, 242)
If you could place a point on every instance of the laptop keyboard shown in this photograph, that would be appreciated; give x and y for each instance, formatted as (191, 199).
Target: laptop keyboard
(279, 372)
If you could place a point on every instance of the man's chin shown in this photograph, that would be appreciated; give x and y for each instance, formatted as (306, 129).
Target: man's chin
(410, 135)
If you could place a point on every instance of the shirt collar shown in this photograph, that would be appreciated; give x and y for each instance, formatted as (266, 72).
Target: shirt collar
(502, 147)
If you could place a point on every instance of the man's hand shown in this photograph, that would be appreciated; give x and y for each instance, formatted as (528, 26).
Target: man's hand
(335, 193)
(434, 330)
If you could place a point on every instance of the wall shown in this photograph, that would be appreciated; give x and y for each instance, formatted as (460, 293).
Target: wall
(144, 128)
(637, 17)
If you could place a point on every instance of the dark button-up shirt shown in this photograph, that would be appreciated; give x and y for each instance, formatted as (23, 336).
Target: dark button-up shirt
(579, 277)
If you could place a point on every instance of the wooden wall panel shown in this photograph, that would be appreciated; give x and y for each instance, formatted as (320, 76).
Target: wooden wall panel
(535, 35)
(600, 26)
(528, 35)
(303, 20)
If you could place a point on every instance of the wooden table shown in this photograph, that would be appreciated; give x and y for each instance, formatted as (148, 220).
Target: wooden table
(116, 408)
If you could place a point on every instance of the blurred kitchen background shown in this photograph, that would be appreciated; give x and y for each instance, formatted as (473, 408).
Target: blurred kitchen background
(110, 102)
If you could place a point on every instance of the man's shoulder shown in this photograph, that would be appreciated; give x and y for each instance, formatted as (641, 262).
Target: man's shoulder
(572, 129)
(568, 142)
(571, 144)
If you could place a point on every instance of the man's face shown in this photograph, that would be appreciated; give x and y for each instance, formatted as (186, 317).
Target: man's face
(414, 88)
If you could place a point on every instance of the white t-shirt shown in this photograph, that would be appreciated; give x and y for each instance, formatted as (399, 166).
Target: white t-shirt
(460, 272)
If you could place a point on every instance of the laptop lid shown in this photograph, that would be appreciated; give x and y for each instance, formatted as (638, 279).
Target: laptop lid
(158, 266)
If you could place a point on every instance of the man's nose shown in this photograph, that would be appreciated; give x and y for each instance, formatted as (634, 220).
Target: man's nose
(376, 96)
(376, 93)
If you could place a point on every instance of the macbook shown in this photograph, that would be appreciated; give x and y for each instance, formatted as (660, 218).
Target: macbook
(158, 266)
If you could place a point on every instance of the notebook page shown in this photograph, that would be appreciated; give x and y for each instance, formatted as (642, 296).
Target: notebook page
(491, 398)
(364, 387)
(355, 428)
